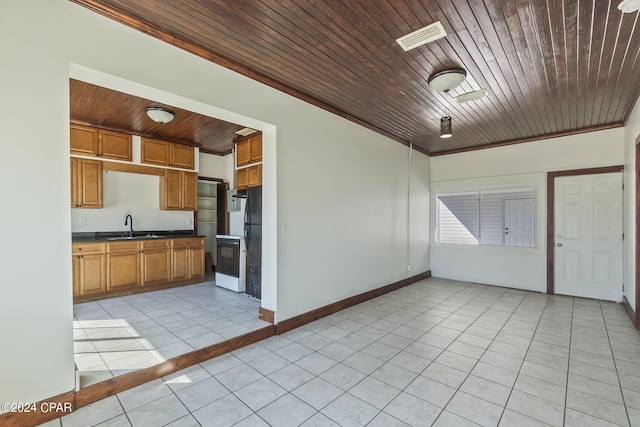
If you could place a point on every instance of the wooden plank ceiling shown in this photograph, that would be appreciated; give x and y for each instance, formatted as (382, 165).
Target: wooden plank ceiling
(109, 109)
(550, 67)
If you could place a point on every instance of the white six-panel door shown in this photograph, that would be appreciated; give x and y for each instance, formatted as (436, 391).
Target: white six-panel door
(588, 236)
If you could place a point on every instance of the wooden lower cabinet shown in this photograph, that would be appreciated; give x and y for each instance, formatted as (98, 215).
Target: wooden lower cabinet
(187, 259)
(89, 265)
(155, 261)
(102, 269)
(123, 265)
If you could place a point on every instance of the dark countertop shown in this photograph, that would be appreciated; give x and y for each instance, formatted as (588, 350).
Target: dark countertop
(110, 236)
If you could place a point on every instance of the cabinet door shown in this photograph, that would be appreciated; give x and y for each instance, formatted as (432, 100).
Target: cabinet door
(196, 270)
(179, 263)
(74, 182)
(189, 191)
(182, 156)
(155, 266)
(242, 178)
(89, 274)
(154, 152)
(115, 145)
(170, 190)
(243, 152)
(89, 183)
(84, 141)
(254, 176)
(123, 270)
(256, 149)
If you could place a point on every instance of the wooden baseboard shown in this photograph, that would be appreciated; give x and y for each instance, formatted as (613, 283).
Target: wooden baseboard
(39, 412)
(138, 290)
(318, 313)
(266, 315)
(95, 392)
(58, 406)
(630, 312)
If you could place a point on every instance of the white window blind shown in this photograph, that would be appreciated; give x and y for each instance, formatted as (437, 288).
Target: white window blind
(457, 218)
(488, 217)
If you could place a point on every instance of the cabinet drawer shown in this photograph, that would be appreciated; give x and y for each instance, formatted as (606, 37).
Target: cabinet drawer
(87, 248)
(122, 247)
(156, 244)
(191, 242)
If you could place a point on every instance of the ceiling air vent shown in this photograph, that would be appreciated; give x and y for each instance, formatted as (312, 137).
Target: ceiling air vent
(422, 36)
(246, 132)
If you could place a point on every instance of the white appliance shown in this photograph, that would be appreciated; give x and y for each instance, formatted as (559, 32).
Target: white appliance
(231, 270)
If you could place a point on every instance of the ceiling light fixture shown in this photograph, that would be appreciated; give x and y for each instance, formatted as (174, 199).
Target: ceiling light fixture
(629, 6)
(471, 96)
(160, 115)
(445, 127)
(447, 80)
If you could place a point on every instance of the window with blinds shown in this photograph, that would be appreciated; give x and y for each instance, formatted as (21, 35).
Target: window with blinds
(491, 217)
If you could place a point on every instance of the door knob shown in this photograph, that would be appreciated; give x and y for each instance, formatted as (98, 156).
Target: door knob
(559, 245)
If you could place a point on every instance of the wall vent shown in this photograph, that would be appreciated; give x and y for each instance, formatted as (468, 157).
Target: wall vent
(422, 36)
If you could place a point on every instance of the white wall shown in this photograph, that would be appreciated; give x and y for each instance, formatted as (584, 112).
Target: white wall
(212, 166)
(632, 132)
(130, 194)
(515, 166)
(339, 188)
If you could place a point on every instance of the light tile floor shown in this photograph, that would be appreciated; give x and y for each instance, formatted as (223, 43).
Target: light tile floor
(438, 352)
(117, 335)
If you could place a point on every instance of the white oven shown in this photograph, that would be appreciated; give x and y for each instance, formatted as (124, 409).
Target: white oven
(230, 266)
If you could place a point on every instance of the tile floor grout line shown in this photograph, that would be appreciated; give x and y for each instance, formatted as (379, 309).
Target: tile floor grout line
(504, 407)
(566, 388)
(615, 365)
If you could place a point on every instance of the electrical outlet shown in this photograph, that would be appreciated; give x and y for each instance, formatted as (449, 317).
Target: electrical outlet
(409, 267)
(285, 230)
(190, 221)
(82, 222)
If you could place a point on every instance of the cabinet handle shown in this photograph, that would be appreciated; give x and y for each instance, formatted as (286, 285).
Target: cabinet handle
(79, 249)
(80, 256)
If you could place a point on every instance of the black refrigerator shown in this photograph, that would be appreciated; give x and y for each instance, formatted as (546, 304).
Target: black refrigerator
(253, 241)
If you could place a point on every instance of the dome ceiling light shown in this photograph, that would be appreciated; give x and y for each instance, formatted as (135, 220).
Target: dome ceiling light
(447, 80)
(629, 6)
(160, 115)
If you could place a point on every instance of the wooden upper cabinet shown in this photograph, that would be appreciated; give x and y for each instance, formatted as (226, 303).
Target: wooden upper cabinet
(243, 152)
(115, 145)
(171, 190)
(154, 152)
(249, 151)
(84, 141)
(254, 175)
(256, 148)
(163, 153)
(182, 156)
(189, 191)
(88, 141)
(86, 183)
(250, 176)
(179, 190)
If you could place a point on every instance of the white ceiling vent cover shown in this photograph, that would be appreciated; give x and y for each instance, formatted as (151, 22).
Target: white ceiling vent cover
(422, 36)
(246, 132)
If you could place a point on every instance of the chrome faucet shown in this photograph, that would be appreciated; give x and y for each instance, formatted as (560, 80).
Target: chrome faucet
(130, 224)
